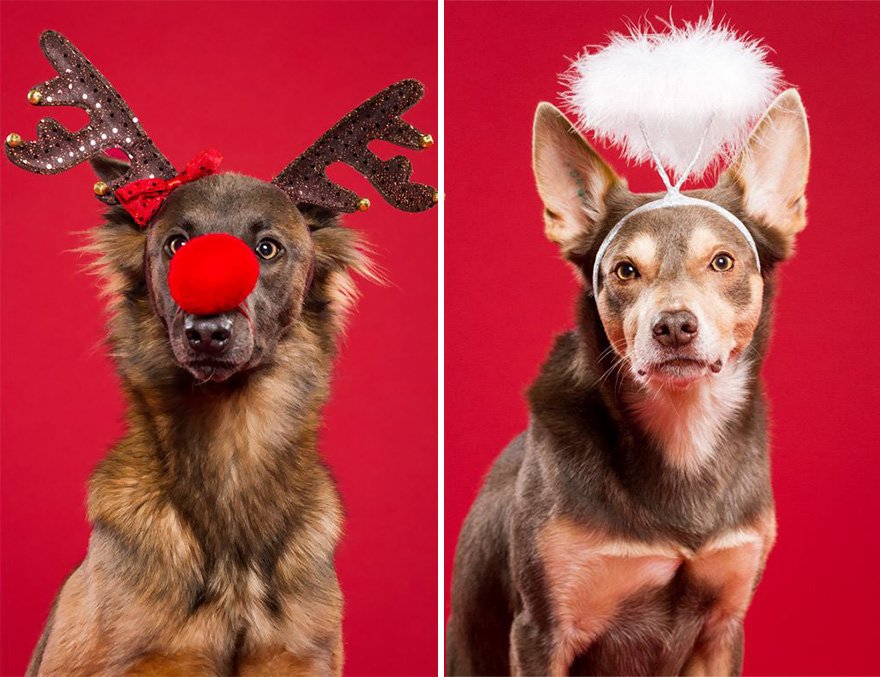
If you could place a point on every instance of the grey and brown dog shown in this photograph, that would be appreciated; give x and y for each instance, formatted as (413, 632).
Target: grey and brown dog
(625, 531)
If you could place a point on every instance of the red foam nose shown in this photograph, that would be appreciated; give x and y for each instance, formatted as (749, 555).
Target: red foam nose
(212, 274)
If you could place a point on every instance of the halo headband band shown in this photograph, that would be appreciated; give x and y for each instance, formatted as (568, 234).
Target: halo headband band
(672, 199)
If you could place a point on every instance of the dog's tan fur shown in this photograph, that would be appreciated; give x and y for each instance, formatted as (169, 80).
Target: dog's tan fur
(592, 574)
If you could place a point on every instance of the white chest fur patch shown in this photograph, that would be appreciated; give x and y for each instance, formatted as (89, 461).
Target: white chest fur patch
(688, 424)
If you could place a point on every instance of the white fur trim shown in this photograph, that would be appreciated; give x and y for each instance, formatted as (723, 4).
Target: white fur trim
(674, 85)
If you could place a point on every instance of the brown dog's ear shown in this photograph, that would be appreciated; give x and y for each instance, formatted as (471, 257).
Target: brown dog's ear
(319, 217)
(108, 168)
(771, 171)
(572, 179)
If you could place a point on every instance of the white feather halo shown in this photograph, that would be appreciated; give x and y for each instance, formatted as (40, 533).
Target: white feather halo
(691, 90)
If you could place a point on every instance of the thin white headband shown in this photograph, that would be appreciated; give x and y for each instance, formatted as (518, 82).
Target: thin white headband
(673, 198)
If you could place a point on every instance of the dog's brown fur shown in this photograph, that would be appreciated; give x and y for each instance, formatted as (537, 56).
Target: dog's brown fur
(214, 520)
(596, 545)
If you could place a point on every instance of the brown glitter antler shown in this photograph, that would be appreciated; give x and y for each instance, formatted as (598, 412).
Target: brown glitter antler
(111, 123)
(378, 118)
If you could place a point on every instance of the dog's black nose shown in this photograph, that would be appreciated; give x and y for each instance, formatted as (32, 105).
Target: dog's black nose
(674, 329)
(209, 334)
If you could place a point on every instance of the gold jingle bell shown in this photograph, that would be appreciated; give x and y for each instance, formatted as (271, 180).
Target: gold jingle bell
(13, 140)
(363, 204)
(426, 140)
(101, 188)
(35, 97)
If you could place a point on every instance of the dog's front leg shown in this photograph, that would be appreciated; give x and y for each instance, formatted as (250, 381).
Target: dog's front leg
(731, 574)
(532, 651)
(717, 653)
(188, 664)
(273, 662)
(73, 642)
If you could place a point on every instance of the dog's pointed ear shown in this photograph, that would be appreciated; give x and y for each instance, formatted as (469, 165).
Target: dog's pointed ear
(572, 179)
(319, 217)
(108, 168)
(771, 171)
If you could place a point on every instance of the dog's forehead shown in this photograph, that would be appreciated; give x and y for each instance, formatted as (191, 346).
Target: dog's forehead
(675, 231)
(230, 200)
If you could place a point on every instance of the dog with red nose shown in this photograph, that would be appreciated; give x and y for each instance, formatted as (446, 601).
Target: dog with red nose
(625, 531)
(214, 521)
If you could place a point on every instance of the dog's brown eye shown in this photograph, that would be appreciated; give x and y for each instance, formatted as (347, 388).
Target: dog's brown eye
(626, 271)
(175, 242)
(722, 263)
(268, 249)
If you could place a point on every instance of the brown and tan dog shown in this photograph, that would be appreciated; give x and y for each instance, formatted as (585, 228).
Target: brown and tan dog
(214, 520)
(625, 531)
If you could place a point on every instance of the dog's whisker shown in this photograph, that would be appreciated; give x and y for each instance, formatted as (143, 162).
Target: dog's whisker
(619, 362)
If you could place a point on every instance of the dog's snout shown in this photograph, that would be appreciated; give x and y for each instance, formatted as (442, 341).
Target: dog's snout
(674, 329)
(209, 334)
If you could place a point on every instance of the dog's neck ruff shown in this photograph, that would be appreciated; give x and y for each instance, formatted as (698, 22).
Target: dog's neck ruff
(673, 198)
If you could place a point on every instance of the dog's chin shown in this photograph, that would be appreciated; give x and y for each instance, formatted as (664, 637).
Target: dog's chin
(212, 371)
(206, 368)
(678, 373)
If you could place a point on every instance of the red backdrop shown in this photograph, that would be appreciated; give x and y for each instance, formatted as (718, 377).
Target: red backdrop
(260, 81)
(507, 293)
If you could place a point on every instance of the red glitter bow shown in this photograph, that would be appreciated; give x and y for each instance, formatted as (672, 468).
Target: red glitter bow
(143, 198)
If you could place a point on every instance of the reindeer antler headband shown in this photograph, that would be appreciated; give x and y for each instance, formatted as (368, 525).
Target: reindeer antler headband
(681, 99)
(151, 176)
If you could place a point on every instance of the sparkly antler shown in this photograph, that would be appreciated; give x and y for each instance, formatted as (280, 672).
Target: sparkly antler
(378, 118)
(111, 123)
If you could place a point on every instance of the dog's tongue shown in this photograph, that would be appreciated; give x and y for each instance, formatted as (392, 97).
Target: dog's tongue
(213, 274)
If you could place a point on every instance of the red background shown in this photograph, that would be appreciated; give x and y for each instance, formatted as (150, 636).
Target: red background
(507, 294)
(260, 82)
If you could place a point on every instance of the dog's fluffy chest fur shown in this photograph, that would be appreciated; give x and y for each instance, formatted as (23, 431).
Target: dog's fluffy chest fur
(225, 500)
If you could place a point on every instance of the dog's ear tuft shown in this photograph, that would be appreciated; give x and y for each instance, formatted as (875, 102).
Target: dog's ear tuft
(319, 217)
(771, 170)
(572, 179)
(108, 168)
